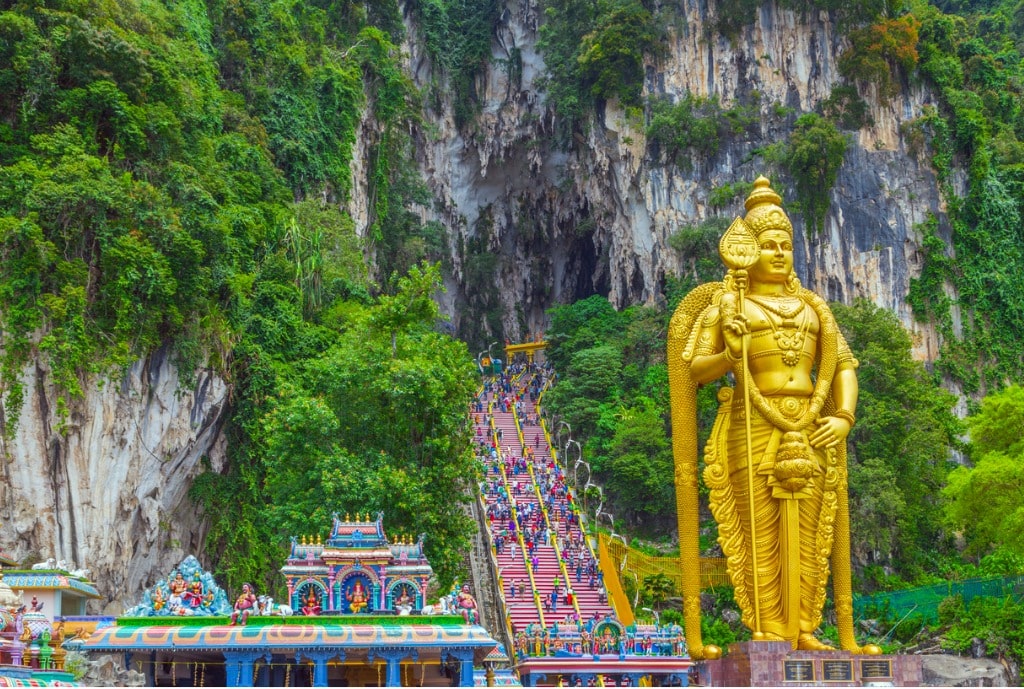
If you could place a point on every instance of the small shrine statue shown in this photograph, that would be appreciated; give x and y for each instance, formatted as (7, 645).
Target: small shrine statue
(193, 597)
(244, 605)
(465, 604)
(311, 605)
(357, 597)
(158, 599)
(177, 588)
(404, 603)
(35, 605)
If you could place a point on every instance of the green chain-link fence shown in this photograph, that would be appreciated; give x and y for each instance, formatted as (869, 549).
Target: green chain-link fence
(925, 600)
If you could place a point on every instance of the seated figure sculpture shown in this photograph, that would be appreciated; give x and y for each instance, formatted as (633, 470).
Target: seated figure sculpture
(404, 603)
(311, 606)
(465, 604)
(244, 605)
(356, 597)
(775, 463)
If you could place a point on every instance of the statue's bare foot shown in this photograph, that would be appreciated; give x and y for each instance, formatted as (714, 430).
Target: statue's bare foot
(807, 642)
(766, 636)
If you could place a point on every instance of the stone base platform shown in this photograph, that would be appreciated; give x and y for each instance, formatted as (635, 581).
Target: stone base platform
(775, 664)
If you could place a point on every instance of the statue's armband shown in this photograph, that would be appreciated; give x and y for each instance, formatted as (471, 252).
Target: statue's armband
(703, 340)
(846, 360)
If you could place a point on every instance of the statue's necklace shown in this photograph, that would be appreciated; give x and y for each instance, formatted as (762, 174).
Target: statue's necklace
(785, 308)
(789, 336)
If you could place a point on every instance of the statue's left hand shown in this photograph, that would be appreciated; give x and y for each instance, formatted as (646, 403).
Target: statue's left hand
(831, 431)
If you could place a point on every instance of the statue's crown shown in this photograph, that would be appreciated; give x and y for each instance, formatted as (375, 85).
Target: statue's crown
(764, 209)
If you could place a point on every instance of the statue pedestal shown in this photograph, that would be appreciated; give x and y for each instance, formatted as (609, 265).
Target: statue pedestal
(774, 664)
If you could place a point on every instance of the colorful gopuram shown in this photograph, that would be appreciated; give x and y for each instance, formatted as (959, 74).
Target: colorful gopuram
(357, 570)
(348, 622)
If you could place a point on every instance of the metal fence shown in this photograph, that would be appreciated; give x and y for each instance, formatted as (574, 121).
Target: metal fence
(925, 600)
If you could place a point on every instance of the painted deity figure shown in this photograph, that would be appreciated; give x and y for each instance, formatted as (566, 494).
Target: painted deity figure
(404, 602)
(158, 599)
(193, 596)
(311, 606)
(776, 459)
(244, 605)
(177, 589)
(465, 604)
(357, 597)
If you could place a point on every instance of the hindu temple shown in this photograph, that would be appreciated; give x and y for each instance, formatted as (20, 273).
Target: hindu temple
(353, 618)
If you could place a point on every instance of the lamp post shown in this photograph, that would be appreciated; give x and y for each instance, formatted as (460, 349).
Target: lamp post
(558, 436)
(657, 617)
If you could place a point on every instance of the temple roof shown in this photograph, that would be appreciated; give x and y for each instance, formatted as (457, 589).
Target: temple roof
(287, 636)
(50, 580)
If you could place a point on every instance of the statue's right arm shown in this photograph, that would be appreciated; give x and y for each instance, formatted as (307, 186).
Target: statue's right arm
(710, 360)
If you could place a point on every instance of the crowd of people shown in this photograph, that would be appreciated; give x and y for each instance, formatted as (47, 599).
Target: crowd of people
(511, 517)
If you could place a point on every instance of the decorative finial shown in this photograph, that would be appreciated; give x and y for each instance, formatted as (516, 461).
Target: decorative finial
(318, 540)
(762, 193)
(347, 518)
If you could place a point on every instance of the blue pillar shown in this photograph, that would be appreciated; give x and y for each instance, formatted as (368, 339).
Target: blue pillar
(465, 658)
(393, 656)
(238, 666)
(319, 659)
(232, 672)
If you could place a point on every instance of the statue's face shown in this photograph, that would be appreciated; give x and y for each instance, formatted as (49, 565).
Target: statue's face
(776, 260)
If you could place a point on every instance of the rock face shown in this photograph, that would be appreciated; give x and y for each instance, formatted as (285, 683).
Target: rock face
(109, 492)
(956, 671)
(106, 671)
(595, 217)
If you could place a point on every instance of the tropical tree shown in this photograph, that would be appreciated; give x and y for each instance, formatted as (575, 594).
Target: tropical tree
(986, 501)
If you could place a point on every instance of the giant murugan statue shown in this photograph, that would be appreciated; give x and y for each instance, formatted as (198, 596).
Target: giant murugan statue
(775, 463)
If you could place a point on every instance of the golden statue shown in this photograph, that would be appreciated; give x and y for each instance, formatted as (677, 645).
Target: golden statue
(789, 419)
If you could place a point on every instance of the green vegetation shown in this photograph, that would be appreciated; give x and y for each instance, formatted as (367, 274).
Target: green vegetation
(616, 407)
(900, 452)
(974, 63)
(695, 126)
(997, 623)
(366, 412)
(877, 50)
(594, 52)
(846, 108)
(457, 37)
(734, 15)
(985, 501)
(813, 156)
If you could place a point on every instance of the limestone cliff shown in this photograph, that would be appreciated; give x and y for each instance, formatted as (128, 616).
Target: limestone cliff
(108, 491)
(596, 218)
